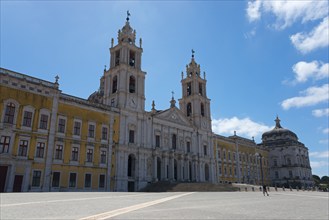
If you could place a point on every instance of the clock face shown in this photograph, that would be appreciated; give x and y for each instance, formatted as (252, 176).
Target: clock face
(204, 124)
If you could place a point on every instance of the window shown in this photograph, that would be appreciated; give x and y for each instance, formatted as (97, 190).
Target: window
(229, 155)
(205, 149)
(290, 174)
(61, 125)
(276, 175)
(59, 152)
(202, 109)
(36, 178)
(157, 140)
(27, 119)
(43, 121)
(104, 133)
(188, 147)
(101, 181)
(87, 180)
(40, 149)
(188, 89)
(219, 154)
(117, 58)
(22, 150)
(75, 153)
(103, 156)
(174, 141)
(224, 155)
(115, 84)
(4, 144)
(200, 89)
(91, 131)
(89, 155)
(234, 156)
(188, 109)
(275, 162)
(288, 161)
(73, 180)
(77, 128)
(132, 58)
(9, 113)
(131, 136)
(132, 84)
(56, 177)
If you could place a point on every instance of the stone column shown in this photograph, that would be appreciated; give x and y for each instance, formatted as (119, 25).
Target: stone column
(51, 143)
(109, 157)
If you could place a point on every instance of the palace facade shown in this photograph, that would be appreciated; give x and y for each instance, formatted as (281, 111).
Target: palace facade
(51, 141)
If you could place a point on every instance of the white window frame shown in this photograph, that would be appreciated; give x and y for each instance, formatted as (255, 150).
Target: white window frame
(5, 107)
(28, 146)
(43, 112)
(73, 134)
(57, 126)
(91, 138)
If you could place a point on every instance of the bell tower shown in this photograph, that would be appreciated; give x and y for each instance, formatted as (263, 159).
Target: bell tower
(194, 103)
(124, 81)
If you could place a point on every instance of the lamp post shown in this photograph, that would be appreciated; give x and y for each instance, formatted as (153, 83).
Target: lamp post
(261, 167)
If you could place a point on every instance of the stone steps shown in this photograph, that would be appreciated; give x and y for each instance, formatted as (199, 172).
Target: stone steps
(166, 186)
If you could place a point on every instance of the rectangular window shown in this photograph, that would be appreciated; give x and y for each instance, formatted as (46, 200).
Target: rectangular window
(43, 121)
(218, 154)
(61, 125)
(10, 113)
(188, 147)
(91, 131)
(276, 175)
(87, 180)
(40, 149)
(224, 155)
(75, 153)
(131, 136)
(103, 156)
(205, 149)
(4, 144)
(27, 119)
(36, 178)
(174, 141)
(229, 155)
(22, 150)
(101, 181)
(104, 133)
(77, 128)
(275, 162)
(59, 152)
(56, 177)
(290, 174)
(90, 155)
(234, 156)
(157, 140)
(73, 180)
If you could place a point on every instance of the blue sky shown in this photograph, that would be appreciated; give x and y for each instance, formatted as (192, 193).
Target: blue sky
(261, 58)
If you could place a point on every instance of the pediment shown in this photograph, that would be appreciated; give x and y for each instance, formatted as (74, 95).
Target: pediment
(174, 115)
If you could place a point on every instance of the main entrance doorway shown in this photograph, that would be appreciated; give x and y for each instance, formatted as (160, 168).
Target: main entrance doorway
(3, 174)
(18, 181)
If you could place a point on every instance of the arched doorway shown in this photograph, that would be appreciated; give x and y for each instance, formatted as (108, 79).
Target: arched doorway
(158, 168)
(131, 173)
(206, 172)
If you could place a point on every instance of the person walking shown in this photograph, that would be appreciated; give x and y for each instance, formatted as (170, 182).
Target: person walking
(265, 190)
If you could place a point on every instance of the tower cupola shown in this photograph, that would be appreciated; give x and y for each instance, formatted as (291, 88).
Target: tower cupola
(127, 34)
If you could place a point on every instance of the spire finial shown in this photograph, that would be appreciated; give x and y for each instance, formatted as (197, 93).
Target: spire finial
(56, 78)
(172, 94)
(193, 53)
(128, 14)
(172, 102)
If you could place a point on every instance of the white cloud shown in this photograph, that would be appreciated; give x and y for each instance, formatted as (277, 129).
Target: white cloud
(324, 141)
(318, 164)
(325, 131)
(244, 127)
(320, 112)
(253, 10)
(317, 38)
(315, 70)
(323, 154)
(311, 96)
(287, 12)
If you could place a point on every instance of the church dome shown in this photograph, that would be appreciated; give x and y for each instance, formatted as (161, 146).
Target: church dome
(279, 133)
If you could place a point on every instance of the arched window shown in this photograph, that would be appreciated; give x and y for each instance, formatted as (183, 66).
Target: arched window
(189, 89)
(115, 84)
(189, 109)
(200, 89)
(9, 113)
(132, 84)
(202, 109)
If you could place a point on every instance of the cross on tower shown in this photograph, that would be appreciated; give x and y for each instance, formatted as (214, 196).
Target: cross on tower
(172, 93)
(193, 53)
(128, 14)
